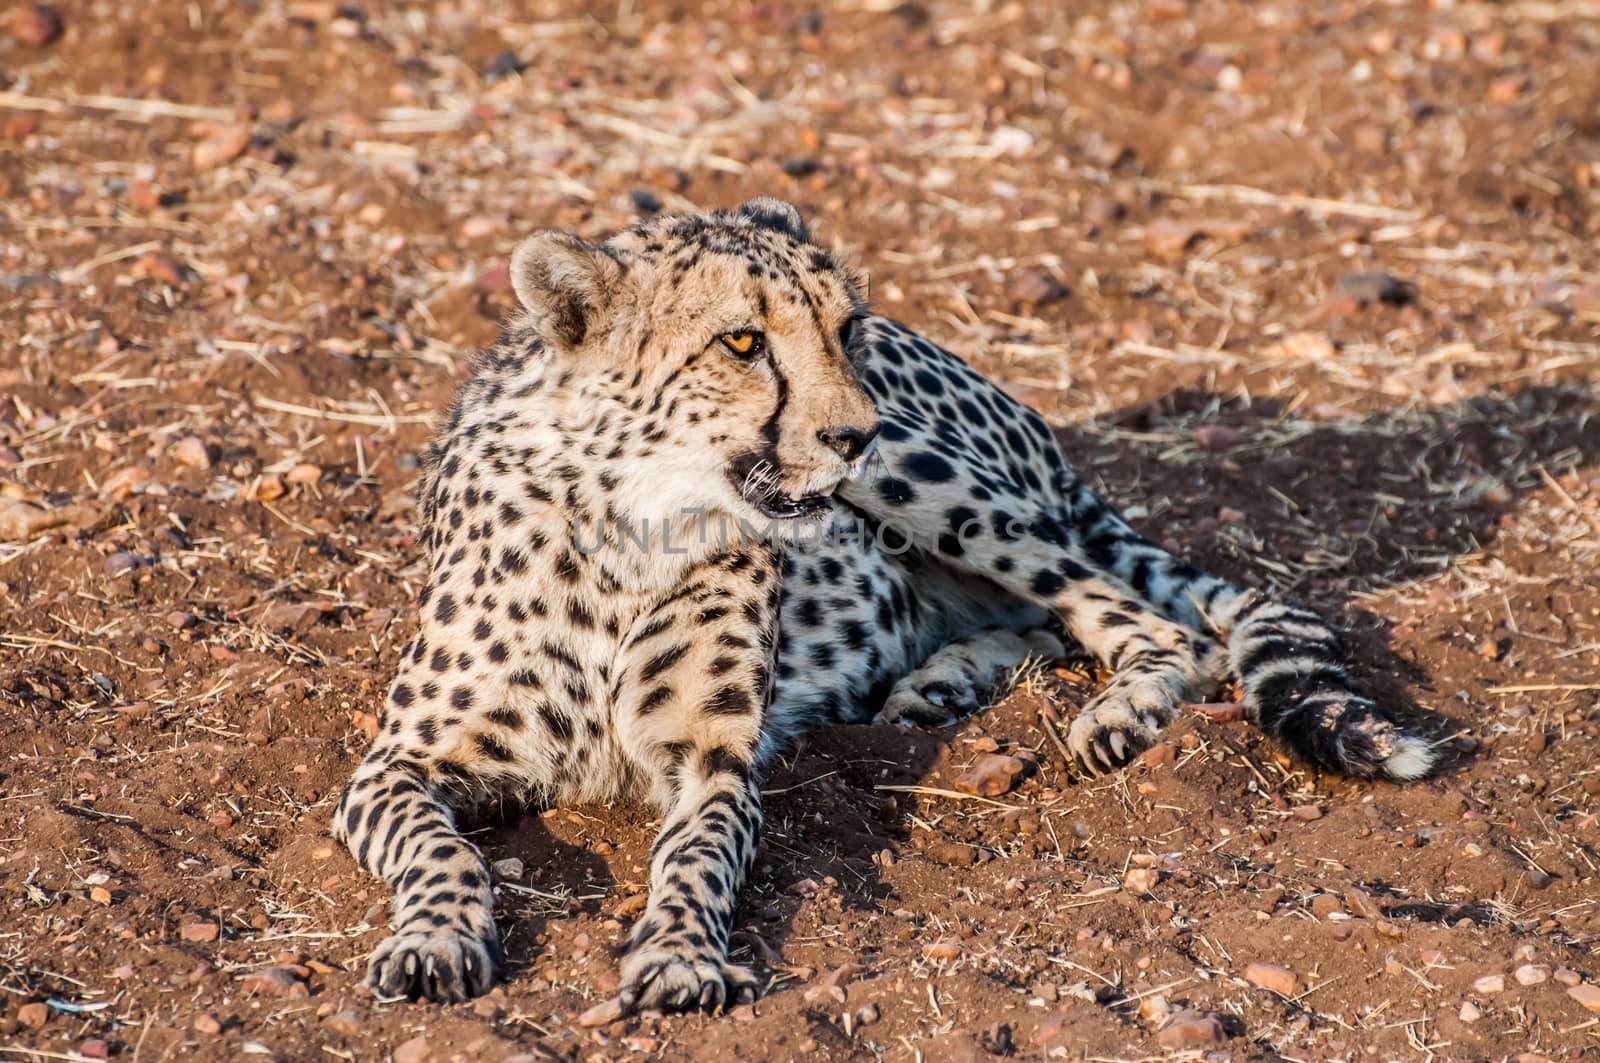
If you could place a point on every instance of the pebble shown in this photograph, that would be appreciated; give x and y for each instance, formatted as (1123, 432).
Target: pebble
(1470, 1012)
(33, 1015)
(990, 776)
(1368, 287)
(1307, 812)
(1531, 974)
(1586, 995)
(181, 620)
(347, 1022)
(156, 266)
(953, 854)
(1037, 288)
(1324, 905)
(1189, 1030)
(1489, 983)
(1567, 976)
(942, 950)
(220, 143)
(510, 868)
(95, 1048)
(304, 475)
(1160, 755)
(1538, 878)
(1141, 880)
(206, 1023)
(282, 980)
(191, 451)
(1270, 976)
(35, 25)
(604, 1012)
(416, 1050)
(1218, 437)
(1166, 238)
(198, 932)
(1361, 903)
(122, 562)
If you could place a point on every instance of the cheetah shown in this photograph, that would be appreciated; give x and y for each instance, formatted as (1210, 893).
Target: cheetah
(697, 500)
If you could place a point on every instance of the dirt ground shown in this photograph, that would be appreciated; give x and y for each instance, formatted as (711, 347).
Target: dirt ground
(1312, 289)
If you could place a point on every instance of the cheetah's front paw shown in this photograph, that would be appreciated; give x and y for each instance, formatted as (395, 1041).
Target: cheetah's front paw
(434, 965)
(1108, 733)
(666, 980)
(933, 704)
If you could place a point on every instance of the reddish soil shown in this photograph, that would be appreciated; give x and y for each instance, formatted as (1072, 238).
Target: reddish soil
(1161, 222)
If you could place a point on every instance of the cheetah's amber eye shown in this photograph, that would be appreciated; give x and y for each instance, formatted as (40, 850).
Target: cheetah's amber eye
(743, 345)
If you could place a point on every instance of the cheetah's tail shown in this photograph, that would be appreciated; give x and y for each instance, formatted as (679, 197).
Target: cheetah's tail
(1290, 667)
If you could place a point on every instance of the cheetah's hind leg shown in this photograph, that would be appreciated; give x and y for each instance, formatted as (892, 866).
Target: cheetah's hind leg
(957, 677)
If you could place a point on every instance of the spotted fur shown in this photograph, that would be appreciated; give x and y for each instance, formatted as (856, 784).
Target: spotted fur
(655, 560)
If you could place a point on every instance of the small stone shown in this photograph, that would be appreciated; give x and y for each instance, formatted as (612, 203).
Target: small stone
(157, 266)
(1538, 878)
(1341, 931)
(1368, 287)
(1361, 903)
(347, 1022)
(605, 1012)
(1567, 976)
(1190, 1030)
(33, 1015)
(142, 195)
(1489, 983)
(221, 143)
(1531, 974)
(122, 562)
(1469, 1012)
(1586, 995)
(1213, 438)
(953, 854)
(416, 1050)
(1141, 880)
(1167, 239)
(1324, 905)
(488, 1008)
(942, 950)
(991, 775)
(95, 1048)
(268, 488)
(1037, 288)
(206, 1023)
(510, 868)
(199, 932)
(1307, 812)
(304, 475)
(281, 980)
(35, 25)
(1160, 755)
(1270, 976)
(191, 451)
(1100, 212)
(181, 620)
(1048, 1030)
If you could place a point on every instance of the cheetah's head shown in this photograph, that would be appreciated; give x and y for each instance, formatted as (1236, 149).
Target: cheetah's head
(713, 352)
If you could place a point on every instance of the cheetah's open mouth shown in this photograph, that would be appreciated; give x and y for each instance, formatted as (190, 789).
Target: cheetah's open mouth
(755, 476)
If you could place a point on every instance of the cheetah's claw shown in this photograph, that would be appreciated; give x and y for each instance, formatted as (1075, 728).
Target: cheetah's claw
(434, 965)
(664, 981)
(1106, 737)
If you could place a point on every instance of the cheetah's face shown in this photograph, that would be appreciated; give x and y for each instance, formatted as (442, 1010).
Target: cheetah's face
(723, 342)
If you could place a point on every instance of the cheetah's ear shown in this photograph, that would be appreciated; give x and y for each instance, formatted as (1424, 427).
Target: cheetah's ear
(565, 283)
(775, 214)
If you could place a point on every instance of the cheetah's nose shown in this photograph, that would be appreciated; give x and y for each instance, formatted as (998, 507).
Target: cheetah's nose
(848, 441)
